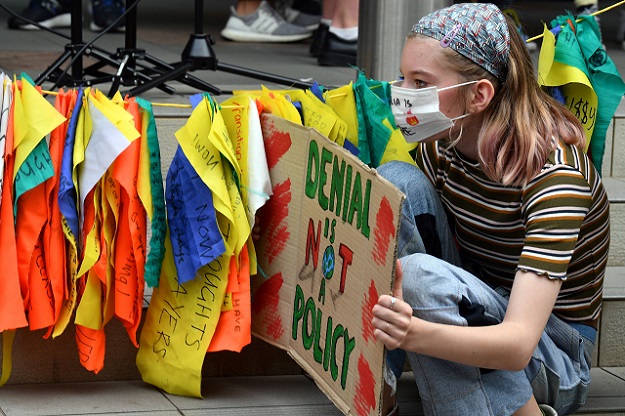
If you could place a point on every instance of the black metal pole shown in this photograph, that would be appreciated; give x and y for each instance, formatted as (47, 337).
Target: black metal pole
(76, 35)
(199, 17)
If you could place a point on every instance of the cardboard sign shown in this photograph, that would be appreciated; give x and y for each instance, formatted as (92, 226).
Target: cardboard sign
(327, 251)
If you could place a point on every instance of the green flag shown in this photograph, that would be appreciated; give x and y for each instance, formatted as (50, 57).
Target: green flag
(579, 45)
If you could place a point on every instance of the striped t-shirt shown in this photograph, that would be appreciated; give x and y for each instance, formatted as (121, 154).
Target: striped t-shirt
(557, 225)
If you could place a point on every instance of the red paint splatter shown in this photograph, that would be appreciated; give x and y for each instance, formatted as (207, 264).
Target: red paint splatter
(364, 399)
(277, 143)
(371, 298)
(274, 220)
(265, 305)
(384, 230)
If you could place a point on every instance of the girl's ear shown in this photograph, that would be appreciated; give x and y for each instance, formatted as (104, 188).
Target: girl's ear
(483, 92)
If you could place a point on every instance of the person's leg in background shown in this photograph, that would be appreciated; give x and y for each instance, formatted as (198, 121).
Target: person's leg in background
(340, 45)
(57, 13)
(258, 21)
(327, 12)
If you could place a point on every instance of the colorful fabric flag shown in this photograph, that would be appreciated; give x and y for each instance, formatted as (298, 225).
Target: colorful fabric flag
(578, 50)
(68, 206)
(6, 96)
(195, 236)
(12, 314)
(38, 117)
(379, 141)
(53, 238)
(151, 192)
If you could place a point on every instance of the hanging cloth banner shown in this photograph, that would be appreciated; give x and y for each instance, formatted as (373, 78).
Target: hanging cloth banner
(179, 324)
(172, 350)
(234, 329)
(343, 102)
(68, 207)
(196, 239)
(53, 239)
(242, 120)
(569, 73)
(38, 117)
(151, 192)
(12, 314)
(273, 103)
(379, 140)
(318, 115)
(131, 239)
(110, 132)
(6, 97)
(579, 45)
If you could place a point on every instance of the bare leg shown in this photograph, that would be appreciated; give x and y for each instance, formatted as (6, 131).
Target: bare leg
(345, 14)
(245, 7)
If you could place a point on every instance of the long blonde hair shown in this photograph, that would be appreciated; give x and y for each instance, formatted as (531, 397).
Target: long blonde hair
(522, 123)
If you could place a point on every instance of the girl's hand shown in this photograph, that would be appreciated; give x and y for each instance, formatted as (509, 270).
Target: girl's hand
(392, 316)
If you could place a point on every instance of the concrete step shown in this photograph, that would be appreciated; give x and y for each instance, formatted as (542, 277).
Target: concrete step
(243, 396)
(615, 187)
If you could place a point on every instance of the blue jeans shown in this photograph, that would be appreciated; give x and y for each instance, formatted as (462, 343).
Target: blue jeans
(440, 290)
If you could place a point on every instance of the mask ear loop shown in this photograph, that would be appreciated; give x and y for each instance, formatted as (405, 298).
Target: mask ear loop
(455, 141)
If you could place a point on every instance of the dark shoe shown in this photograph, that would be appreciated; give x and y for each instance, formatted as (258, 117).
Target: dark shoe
(48, 13)
(105, 12)
(336, 51)
(318, 37)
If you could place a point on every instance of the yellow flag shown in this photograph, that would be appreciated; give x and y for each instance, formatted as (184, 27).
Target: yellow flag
(343, 102)
(179, 325)
(572, 81)
(31, 125)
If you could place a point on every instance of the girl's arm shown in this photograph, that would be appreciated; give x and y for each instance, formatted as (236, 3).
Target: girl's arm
(507, 346)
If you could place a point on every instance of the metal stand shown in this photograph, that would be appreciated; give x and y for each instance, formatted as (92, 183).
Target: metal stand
(133, 67)
(72, 50)
(198, 54)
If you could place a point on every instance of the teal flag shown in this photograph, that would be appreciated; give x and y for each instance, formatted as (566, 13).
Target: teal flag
(372, 104)
(158, 222)
(37, 167)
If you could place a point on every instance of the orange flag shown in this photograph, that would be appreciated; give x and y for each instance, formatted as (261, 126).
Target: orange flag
(233, 330)
(12, 314)
(131, 237)
(53, 237)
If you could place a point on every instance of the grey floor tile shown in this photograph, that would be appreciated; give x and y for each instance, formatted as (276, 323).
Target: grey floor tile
(255, 392)
(605, 384)
(147, 413)
(616, 371)
(82, 399)
(303, 410)
(607, 393)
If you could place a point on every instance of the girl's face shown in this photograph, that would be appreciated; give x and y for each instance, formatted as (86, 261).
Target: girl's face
(423, 64)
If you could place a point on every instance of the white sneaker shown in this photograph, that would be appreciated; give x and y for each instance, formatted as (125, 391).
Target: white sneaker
(264, 25)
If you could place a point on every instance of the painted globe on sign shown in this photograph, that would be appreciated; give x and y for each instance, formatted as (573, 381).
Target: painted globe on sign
(328, 262)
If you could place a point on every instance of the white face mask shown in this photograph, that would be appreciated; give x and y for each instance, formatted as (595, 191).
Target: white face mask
(417, 113)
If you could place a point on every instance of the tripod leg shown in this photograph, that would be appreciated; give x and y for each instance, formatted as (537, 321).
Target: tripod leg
(174, 74)
(263, 76)
(55, 65)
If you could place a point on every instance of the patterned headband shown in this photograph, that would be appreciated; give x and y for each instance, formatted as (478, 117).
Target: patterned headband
(477, 31)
